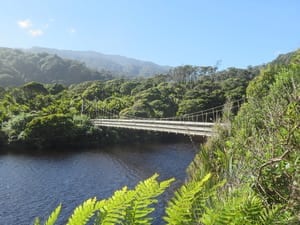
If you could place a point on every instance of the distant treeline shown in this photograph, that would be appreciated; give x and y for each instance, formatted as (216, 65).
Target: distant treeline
(18, 67)
(248, 173)
(47, 115)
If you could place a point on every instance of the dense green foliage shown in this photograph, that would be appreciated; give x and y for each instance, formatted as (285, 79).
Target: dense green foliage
(248, 173)
(260, 153)
(18, 67)
(36, 114)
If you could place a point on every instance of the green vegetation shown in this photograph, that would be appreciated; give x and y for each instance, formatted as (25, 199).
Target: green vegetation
(259, 155)
(124, 207)
(36, 114)
(247, 174)
(18, 67)
(123, 66)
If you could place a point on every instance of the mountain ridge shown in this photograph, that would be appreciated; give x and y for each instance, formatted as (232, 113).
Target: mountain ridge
(18, 67)
(117, 64)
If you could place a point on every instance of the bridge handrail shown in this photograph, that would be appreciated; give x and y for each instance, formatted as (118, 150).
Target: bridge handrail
(170, 126)
(205, 131)
(189, 123)
(203, 115)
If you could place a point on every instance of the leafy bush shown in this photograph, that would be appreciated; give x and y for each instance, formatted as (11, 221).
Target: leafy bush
(15, 126)
(260, 150)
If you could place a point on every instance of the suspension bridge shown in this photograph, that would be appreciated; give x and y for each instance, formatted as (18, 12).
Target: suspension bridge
(200, 123)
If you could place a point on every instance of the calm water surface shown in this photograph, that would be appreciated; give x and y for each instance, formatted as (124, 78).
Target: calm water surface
(33, 185)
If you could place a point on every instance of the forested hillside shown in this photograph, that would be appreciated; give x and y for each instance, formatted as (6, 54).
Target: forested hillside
(120, 65)
(18, 67)
(258, 158)
(37, 114)
(247, 174)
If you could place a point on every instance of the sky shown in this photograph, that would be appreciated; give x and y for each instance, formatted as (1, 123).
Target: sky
(235, 33)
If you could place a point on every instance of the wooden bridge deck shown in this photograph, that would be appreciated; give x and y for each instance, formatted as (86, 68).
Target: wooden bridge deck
(169, 126)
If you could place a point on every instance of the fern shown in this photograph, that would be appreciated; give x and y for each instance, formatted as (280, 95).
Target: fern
(269, 216)
(146, 193)
(113, 210)
(83, 213)
(252, 208)
(180, 208)
(53, 216)
(124, 207)
(241, 207)
(37, 221)
(132, 207)
(51, 219)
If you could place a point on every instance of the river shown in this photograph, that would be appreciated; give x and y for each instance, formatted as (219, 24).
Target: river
(33, 185)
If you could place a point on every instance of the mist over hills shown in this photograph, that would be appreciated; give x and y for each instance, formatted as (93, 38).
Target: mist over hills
(119, 65)
(18, 67)
(56, 66)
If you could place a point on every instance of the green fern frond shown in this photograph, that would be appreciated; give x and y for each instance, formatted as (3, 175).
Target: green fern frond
(37, 221)
(146, 193)
(251, 208)
(131, 206)
(270, 216)
(83, 213)
(206, 198)
(53, 216)
(241, 207)
(124, 207)
(180, 208)
(113, 210)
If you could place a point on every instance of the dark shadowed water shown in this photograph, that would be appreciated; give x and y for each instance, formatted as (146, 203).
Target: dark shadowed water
(33, 185)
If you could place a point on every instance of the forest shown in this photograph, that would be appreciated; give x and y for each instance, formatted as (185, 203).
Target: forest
(120, 65)
(249, 173)
(36, 114)
(18, 67)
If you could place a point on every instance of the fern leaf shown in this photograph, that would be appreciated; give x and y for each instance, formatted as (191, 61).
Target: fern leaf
(124, 207)
(269, 216)
(243, 206)
(53, 216)
(83, 213)
(252, 208)
(37, 221)
(113, 210)
(179, 210)
(146, 193)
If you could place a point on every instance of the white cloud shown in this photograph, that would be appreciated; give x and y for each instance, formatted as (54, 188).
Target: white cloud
(31, 29)
(25, 24)
(36, 33)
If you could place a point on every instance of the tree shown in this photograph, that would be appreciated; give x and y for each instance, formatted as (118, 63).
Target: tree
(44, 131)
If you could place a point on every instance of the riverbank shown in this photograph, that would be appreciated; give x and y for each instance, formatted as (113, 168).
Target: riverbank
(112, 137)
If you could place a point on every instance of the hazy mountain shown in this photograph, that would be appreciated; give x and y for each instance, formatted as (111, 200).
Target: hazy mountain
(119, 65)
(18, 67)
